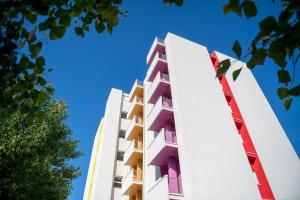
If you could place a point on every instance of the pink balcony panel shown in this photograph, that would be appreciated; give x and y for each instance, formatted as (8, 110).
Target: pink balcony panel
(161, 66)
(163, 89)
(175, 185)
(163, 156)
(158, 48)
(165, 116)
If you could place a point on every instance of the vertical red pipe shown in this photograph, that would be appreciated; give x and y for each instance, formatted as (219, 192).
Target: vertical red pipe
(255, 164)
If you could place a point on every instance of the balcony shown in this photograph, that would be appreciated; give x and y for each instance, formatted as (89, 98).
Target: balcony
(161, 113)
(162, 147)
(132, 182)
(136, 107)
(137, 90)
(159, 87)
(135, 127)
(133, 153)
(158, 45)
(166, 188)
(159, 64)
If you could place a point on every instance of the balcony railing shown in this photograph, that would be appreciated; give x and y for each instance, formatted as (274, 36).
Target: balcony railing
(137, 90)
(157, 46)
(159, 64)
(131, 181)
(175, 185)
(136, 106)
(169, 136)
(165, 188)
(159, 87)
(159, 77)
(167, 103)
(164, 102)
(134, 152)
(163, 145)
(135, 126)
(161, 112)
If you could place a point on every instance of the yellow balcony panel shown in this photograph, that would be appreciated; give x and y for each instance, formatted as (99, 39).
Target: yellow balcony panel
(137, 90)
(132, 190)
(130, 184)
(134, 129)
(133, 153)
(136, 108)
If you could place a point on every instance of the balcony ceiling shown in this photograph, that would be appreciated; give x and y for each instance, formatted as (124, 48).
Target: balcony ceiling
(163, 89)
(165, 116)
(136, 111)
(162, 157)
(134, 157)
(135, 132)
(138, 91)
(161, 66)
(136, 185)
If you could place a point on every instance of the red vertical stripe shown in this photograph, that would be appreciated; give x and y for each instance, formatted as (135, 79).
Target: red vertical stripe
(255, 164)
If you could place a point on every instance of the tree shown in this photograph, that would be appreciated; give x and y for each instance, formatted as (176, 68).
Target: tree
(35, 155)
(278, 40)
(26, 25)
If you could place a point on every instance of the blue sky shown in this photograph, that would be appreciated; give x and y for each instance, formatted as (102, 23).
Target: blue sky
(86, 69)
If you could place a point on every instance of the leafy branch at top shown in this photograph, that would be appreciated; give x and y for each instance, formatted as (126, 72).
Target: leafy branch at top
(24, 28)
(278, 39)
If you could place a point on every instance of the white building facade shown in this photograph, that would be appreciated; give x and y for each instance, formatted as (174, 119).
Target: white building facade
(184, 134)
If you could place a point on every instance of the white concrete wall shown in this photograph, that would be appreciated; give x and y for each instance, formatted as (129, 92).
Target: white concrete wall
(89, 185)
(277, 156)
(212, 159)
(119, 168)
(122, 144)
(106, 165)
(149, 170)
(124, 122)
(117, 194)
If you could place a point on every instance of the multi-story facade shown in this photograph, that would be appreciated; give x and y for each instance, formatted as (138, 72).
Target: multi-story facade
(184, 134)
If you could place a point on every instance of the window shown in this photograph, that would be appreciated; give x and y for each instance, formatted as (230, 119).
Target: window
(120, 155)
(117, 184)
(121, 133)
(124, 115)
(255, 177)
(117, 181)
(241, 139)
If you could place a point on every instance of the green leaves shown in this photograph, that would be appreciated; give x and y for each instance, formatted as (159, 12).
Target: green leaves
(99, 27)
(283, 76)
(36, 150)
(249, 8)
(39, 65)
(287, 103)
(176, 2)
(65, 20)
(223, 67)
(267, 25)
(47, 24)
(295, 91)
(40, 61)
(237, 49)
(236, 73)
(79, 31)
(57, 32)
(31, 17)
(35, 49)
(258, 58)
(287, 94)
(233, 6)
(283, 92)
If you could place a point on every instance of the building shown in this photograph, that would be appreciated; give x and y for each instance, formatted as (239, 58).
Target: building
(184, 134)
